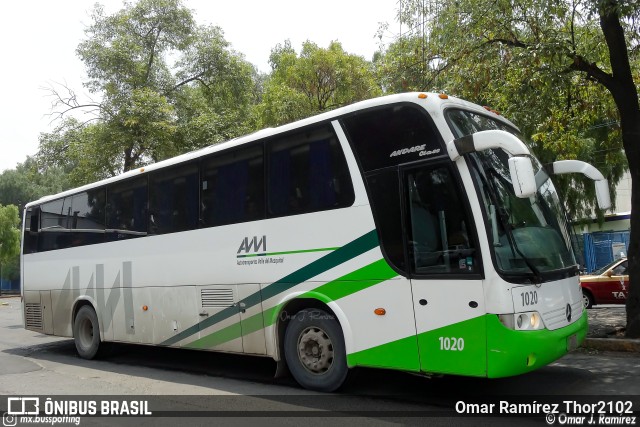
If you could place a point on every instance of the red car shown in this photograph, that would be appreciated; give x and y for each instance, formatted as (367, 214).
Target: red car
(607, 285)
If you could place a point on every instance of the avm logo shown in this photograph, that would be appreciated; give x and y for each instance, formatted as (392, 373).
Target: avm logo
(252, 245)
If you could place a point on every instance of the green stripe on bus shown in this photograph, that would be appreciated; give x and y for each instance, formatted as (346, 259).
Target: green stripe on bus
(348, 284)
(347, 252)
(303, 251)
(356, 281)
(400, 354)
(247, 326)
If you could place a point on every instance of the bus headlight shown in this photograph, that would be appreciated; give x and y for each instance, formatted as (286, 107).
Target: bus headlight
(529, 321)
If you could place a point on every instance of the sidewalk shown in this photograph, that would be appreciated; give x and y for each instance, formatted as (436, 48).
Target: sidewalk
(606, 330)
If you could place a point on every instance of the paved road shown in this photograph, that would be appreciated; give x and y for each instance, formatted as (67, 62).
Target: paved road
(35, 364)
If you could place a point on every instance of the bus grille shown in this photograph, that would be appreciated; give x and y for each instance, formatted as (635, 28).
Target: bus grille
(557, 318)
(218, 297)
(33, 316)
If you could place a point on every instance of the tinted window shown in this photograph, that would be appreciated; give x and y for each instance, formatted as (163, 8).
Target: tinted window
(88, 210)
(127, 208)
(384, 189)
(464, 122)
(233, 187)
(54, 225)
(392, 135)
(439, 240)
(307, 172)
(87, 217)
(30, 235)
(54, 214)
(173, 200)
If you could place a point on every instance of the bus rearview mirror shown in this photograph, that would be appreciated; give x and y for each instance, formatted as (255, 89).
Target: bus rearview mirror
(602, 194)
(522, 176)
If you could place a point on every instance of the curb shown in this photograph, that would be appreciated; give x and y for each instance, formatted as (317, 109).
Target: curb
(613, 344)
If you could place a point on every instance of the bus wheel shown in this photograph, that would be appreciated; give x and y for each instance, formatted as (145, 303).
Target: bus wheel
(86, 332)
(314, 350)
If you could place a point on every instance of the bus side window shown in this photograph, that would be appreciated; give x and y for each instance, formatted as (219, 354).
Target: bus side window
(88, 217)
(127, 209)
(32, 225)
(307, 172)
(54, 232)
(232, 187)
(173, 199)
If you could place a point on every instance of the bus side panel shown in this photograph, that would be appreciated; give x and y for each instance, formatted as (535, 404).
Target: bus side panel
(174, 310)
(382, 340)
(251, 319)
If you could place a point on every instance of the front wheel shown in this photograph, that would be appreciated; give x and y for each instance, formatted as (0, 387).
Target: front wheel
(86, 332)
(314, 350)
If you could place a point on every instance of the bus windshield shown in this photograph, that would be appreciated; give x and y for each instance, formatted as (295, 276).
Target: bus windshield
(529, 237)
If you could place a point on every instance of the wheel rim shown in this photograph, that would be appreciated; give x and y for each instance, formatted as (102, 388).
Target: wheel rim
(315, 350)
(85, 333)
(585, 300)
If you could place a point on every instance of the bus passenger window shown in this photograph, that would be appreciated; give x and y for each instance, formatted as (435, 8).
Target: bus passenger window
(127, 208)
(307, 172)
(88, 217)
(232, 187)
(173, 200)
(438, 225)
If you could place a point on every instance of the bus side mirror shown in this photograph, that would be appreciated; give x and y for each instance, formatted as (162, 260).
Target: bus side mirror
(577, 166)
(602, 194)
(522, 176)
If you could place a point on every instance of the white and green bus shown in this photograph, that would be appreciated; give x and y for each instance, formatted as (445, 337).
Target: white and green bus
(413, 232)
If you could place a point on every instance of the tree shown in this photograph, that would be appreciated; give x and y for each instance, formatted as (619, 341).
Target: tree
(9, 235)
(148, 109)
(27, 183)
(317, 80)
(558, 56)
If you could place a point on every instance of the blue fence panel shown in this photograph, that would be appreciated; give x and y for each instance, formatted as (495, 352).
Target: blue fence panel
(8, 286)
(598, 248)
(589, 252)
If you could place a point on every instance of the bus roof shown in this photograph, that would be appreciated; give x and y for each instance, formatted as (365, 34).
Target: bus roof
(434, 103)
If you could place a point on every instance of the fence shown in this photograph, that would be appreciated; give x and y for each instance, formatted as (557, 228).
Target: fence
(601, 248)
(9, 287)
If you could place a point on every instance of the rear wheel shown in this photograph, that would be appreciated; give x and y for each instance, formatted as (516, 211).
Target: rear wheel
(314, 350)
(587, 299)
(86, 332)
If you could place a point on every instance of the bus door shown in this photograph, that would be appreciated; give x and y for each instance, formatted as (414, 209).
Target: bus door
(445, 270)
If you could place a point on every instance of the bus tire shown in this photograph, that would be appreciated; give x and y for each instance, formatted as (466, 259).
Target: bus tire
(314, 350)
(86, 332)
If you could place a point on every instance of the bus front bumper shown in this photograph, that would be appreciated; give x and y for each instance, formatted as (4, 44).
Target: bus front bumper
(511, 352)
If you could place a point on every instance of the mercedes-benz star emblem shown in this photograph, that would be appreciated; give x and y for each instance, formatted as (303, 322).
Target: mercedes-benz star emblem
(568, 312)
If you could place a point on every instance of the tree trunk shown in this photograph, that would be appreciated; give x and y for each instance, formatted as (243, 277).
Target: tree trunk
(633, 301)
(625, 95)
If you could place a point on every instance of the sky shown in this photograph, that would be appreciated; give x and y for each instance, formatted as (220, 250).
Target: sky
(38, 39)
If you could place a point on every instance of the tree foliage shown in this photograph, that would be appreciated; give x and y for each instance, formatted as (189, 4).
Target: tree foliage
(567, 72)
(315, 81)
(518, 57)
(27, 183)
(159, 78)
(9, 233)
